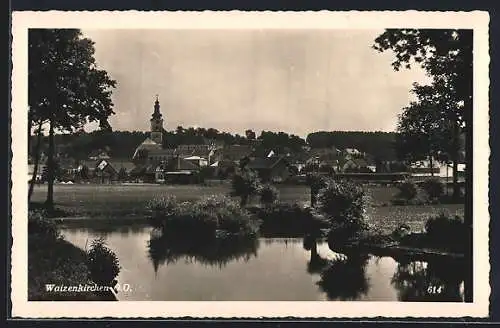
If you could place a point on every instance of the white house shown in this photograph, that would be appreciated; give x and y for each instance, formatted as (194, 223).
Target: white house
(200, 161)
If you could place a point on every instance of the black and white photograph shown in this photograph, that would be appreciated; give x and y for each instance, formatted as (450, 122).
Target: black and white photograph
(324, 160)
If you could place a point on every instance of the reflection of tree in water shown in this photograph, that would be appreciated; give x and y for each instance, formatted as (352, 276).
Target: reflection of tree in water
(213, 251)
(341, 278)
(443, 277)
(345, 280)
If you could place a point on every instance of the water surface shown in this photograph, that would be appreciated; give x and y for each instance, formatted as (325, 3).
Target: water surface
(267, 269)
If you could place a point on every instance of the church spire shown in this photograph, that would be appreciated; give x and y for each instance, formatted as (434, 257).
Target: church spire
(157, 123)
(156, 113)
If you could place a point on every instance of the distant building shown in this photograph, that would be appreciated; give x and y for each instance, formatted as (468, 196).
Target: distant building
(157, 124)
(95, 155)
(274, 169)
(234, 153)
(105, 172)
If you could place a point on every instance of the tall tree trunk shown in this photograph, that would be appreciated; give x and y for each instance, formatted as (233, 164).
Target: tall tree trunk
(456, 149)
(431, 165)
(37, 159)
(49, 203)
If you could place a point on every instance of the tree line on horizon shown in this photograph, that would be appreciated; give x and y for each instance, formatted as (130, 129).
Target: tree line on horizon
(122, 144)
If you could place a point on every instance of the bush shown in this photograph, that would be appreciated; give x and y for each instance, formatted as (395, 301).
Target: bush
(245, 184)
(290, 219)
(103, 263)
(342, 200)
(448, 233)
(344, 204)
(433, 187)
(408, 190)
(41, 228)
(269, 194)
(161, 207)
(209, 217)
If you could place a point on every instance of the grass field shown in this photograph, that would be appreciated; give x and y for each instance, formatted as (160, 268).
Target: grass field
(119, 201)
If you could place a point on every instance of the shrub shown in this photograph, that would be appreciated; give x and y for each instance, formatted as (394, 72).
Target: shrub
(160, 208)
(290, 219)
(344, 204)
(433, 187)
(342, 200)
(268, 194)
(245, 184)
(408, 190)
(41, 228)
(445, 232)
(103, 263)
(206, 218)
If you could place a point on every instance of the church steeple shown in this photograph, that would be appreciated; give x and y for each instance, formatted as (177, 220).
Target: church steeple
(157, 123)
(156, 112)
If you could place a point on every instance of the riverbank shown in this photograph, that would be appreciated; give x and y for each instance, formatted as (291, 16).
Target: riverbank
(61, 264)
(58, 270)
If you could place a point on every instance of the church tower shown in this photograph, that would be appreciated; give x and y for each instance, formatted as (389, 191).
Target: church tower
(157, 124)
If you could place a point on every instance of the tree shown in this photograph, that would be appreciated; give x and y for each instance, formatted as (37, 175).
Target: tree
(36, 156)
(250, 134)
(446, 55)
(66, 89)
(245, 184)
(316, 182)
(423, 130)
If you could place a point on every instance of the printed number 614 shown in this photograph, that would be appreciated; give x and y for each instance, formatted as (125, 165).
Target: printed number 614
(434, 289)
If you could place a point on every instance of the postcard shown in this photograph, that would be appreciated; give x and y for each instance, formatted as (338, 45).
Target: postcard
(250, 164)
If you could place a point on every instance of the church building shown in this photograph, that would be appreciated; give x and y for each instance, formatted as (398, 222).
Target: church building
(154, 141)
(157, 124)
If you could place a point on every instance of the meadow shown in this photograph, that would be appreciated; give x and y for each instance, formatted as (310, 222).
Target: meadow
(126, 201)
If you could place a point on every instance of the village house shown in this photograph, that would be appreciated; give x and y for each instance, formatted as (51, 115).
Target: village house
(357, 165)
(353, 152)
(272, 169)
(179, 170)
(105, 172)
(235, 153)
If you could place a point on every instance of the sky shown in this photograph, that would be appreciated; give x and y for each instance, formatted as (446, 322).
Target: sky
(296, 81)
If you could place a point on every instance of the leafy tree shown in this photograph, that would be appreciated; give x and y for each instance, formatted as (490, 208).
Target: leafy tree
(245, 184)
(423, 133)
(250, 134)
(317, 182)
(66, 89)
(446, 55)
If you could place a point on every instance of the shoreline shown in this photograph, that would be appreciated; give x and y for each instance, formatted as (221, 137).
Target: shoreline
(46, 268)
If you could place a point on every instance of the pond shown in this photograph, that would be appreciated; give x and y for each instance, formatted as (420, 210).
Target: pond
(266, 269)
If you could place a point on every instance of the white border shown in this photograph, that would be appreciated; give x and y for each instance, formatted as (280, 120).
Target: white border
(21, 21)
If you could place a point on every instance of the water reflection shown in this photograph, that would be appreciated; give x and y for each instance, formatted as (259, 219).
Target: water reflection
(345, 277)
(165, 250)
(342, 278)
(171, 269)
(433, 281)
